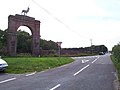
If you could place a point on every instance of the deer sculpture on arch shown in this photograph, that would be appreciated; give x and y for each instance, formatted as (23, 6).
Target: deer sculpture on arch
(25, 11)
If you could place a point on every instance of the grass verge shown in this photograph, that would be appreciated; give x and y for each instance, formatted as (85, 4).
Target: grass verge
(25, 65)
(117, 65)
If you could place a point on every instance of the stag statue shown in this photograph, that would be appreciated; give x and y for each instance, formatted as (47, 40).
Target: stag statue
(25, 11)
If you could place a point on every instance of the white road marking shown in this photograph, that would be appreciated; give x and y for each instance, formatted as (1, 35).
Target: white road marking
(84, 61)
(7, 80)
(55, 87)
(95, 60)
(81, 70)
(30, 74)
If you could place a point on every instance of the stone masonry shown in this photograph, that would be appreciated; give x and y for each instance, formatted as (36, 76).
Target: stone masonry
(14, 22)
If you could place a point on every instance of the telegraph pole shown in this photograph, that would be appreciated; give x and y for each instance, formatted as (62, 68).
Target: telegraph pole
(91, 41)
(91, 46)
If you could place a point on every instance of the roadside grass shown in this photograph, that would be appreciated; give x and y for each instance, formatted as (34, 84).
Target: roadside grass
(25, 65)
(117, 65)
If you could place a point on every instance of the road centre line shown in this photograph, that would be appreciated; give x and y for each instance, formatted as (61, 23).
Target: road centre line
(55, 87)
(81, 70)
(95, 60)
(11, 79)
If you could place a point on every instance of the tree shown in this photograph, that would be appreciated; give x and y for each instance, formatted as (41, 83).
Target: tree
(116, 52)
(24, 41)
(3, 38)
(100, 48)
(48, 45)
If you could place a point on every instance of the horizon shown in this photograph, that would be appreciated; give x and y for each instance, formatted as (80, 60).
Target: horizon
(74, 26)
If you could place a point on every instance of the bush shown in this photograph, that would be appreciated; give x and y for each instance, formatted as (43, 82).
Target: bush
(117, 65)
(116, 52)
(116, 58)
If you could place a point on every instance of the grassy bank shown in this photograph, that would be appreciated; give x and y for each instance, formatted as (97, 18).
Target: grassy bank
(117, 65)
(25, 65)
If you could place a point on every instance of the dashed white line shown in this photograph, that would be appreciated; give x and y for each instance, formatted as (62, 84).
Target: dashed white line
(95, 60)
(81, 70)
(55, 87)
(30, 74)
(11, 79)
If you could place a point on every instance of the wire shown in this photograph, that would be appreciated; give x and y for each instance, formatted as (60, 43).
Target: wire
(58, 19)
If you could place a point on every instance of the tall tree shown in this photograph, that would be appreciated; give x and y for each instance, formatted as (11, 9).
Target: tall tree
(23, 42)
(3, 38)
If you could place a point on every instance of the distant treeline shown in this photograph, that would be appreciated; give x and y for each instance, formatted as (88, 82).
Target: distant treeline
(94, 49)
(24, 41)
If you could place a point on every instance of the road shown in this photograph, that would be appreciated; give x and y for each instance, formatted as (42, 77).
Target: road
(85, 73)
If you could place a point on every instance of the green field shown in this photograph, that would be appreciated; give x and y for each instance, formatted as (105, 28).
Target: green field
(26, 65)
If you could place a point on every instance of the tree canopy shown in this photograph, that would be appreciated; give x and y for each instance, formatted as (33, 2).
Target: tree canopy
(3, 38)
(116, 52)
(24, 42)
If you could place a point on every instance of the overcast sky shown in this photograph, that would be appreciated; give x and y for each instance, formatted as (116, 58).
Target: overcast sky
(82, 20)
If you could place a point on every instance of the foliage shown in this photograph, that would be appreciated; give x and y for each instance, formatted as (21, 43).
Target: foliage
(25, 65)
(116, 58)
(100, 48)
(3, 38)
(94, 49)
(116, 52)
(24, 42)
(24, 45)
(48, 45)
(117, 65)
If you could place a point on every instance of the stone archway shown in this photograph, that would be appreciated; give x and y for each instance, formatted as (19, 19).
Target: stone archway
(14, 22)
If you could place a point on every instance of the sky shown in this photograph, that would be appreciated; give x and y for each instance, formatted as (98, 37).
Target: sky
(73, 22)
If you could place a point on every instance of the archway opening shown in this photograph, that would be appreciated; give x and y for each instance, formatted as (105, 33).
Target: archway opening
(24, 41)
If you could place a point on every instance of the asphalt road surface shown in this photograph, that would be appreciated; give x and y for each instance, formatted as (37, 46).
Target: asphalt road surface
(85, 73)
